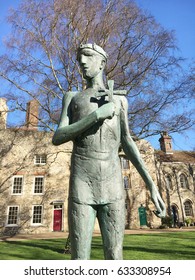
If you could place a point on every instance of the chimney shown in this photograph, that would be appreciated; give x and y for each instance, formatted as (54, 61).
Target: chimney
(32, 115)
(3, 113)
(166, 143)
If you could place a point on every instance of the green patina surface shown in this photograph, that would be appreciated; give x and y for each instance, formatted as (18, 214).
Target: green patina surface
(95, 119)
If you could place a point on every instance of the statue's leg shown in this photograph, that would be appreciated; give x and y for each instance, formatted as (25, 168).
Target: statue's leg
(81, 219)
(111, 219)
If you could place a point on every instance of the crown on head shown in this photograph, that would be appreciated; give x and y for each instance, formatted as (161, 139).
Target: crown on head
(94, 47)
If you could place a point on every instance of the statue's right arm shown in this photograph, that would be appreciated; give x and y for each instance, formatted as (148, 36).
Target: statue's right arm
(67, 131)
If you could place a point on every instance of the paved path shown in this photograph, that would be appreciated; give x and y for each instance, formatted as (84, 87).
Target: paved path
(65, 234)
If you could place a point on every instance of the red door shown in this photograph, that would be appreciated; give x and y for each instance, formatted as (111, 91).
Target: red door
(57, 221)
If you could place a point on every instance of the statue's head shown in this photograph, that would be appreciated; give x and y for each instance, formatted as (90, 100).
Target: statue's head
(92, 59)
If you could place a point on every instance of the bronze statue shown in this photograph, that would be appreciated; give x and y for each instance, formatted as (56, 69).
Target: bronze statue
(95, 119)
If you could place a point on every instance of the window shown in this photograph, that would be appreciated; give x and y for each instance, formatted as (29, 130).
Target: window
(40, 159)
(124, 163)
(58, 206)
(188, 208)
(126, 182)
(194, 181)
(183, 181)
(37, 214)
(38, 186)
(168, 182)
(17, 184)
(12, 215)
(127, 204)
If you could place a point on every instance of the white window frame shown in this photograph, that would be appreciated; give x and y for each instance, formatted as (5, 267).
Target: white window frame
(185, 184)
(8, 212)
(58, 206)
(124, 163)
(40, 157)
(40, 193)
(13, 180)
(33, 207)
(189, 209)
(168, 182)
(126, 178)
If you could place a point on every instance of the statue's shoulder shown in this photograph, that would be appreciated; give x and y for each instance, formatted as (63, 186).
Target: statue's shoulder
(123, 101)
(70, 93)
(120, 94)
(68, 96)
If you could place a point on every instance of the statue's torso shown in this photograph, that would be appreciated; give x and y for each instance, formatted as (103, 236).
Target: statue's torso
(95, 169)
(102, 137)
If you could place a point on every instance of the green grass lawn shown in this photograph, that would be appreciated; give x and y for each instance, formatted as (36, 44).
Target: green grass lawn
(162, 246)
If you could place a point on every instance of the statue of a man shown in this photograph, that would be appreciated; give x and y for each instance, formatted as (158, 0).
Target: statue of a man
(96, 121)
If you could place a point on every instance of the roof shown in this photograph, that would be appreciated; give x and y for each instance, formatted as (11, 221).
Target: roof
(176, 156)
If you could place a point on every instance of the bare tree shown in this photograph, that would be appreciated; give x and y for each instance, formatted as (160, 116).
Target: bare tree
(41, 62)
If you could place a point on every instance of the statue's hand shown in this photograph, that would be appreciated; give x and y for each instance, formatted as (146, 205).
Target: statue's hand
(159, 204)
(106, 111)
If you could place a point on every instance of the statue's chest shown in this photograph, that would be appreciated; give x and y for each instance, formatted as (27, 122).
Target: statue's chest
(84, 104)
(103, 132)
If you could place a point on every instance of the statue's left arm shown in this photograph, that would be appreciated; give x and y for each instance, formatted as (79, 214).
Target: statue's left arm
(134, 156)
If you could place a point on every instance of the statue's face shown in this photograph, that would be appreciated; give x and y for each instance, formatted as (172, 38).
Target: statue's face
(91, 63)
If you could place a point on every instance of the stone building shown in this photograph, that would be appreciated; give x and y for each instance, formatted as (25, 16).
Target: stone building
(176, 178)
(34, 180)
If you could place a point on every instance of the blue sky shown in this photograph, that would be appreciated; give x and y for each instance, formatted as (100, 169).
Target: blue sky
(178, 15)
